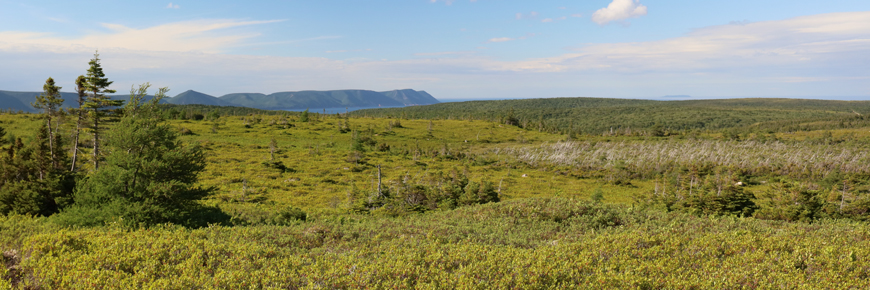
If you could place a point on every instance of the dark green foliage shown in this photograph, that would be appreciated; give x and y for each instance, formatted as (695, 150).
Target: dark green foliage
(214, 115)
(278, 165)
(304, 116)
(702, 192)
(172, 111)
(478, 193)
(437, 192)
(357, 143)
(30, 183)
(148, 177)
(100, 107)
(645, 117)
(289, 215)
(790, 202)
(50, 102)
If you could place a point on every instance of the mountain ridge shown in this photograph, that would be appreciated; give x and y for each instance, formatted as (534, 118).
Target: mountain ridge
(191, 97)
(289, 100)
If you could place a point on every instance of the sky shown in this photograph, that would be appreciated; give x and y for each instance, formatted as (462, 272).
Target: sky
(453, 49)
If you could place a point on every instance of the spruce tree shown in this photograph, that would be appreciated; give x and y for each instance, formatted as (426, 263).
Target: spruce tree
(29, 183)
(80, 118)
(148, 176)
(50, 102)
(98, 104)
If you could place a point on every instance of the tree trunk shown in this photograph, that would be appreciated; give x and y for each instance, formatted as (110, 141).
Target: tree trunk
(80, 89)
(50, 141)
(96, 141)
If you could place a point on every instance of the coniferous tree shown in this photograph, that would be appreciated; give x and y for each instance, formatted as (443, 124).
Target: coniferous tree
(80, 118)
(98, 104)
(304, 116)
(148, 177)
(29, 182)
(50, 101)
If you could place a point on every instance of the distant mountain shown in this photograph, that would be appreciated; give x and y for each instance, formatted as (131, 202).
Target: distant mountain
(9, 102)
(191, 97)
(70, 100)
(275, 101)
(410, 97)
(329, 99)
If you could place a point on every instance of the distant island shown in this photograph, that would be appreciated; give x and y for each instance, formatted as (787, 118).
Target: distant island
(20, 101)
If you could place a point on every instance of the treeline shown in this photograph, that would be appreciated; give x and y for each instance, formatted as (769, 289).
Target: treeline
(199, 112)
(592, 116)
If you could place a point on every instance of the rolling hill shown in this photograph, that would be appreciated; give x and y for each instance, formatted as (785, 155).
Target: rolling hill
(8, 102)
(411, 97)
(191, 97)
(275, 101)
(320, 99)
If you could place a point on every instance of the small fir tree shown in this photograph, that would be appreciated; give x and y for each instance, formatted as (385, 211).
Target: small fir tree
(148, 177)
(50, 102)
(98, 103)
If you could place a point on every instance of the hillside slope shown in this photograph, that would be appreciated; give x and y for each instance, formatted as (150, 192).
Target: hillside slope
(411, 97)
(8, 102)
(191, 97)
(312, 99)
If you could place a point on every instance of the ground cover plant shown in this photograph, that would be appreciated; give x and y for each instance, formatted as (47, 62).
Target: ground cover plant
(181, 197)
(523, 243)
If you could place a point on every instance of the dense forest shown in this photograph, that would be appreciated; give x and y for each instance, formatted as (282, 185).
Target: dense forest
(747, 193)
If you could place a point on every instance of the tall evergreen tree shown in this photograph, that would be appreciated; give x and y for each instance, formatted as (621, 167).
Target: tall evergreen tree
(98, 104)
(49, 102)
(80, 118)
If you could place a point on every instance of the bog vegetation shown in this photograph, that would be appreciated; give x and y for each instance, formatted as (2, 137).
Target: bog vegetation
(503, 194)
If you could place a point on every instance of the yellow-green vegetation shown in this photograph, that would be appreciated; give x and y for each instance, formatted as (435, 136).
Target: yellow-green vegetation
(524, 243)
(322, 169)
(700, 210)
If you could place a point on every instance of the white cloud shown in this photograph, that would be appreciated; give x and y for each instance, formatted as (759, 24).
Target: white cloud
(619, 10)
(820, 54)
(547, 20)
(531, 15)
(173, 6)
(797, 45)
(197, 35)
(500, 39)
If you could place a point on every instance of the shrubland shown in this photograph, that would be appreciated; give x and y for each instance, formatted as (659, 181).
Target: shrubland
(522, 243)
(183, 197)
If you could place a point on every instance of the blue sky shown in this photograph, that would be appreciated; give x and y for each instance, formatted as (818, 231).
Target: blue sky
(461, 49)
